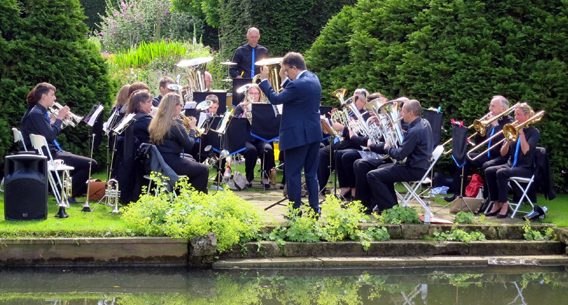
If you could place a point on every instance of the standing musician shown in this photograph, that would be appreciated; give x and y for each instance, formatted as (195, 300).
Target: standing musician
(360, 99)
(246, 55)
(519, 156)
(300, 127)
(171, 138)
(255, 147)
(416, 148)
(36, 121)
(493, 157)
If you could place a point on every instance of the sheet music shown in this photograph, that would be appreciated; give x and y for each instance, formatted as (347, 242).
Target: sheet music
(202, 119)
(110, 122)
(368, 154)
(124, 123)
(280, 107)
(189, 105)
(225, 120)
(90, 120)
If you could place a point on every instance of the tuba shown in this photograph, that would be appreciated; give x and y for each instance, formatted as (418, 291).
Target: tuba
(194, 77)
(273, 65)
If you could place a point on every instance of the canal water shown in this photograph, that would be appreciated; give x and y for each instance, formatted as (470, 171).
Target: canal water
(496, 285)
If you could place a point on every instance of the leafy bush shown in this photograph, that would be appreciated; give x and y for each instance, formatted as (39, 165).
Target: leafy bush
(398, 215)
(335, 224)
(459, 235)
(44, 40)
(193, 214)
(457, 55)
(531, 234)
(136, 21)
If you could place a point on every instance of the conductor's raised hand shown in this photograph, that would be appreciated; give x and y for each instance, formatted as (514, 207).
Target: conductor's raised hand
(264, 72)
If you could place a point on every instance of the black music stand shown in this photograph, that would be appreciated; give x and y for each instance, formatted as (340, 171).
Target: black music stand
(435, 119)
(237, 83)
(459, 150)
(265, 127)
(199, 97)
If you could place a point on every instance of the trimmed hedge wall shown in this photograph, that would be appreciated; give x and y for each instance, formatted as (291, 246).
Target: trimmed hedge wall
(290, 25)
(45, 40)
(455, 54)
(92, 10)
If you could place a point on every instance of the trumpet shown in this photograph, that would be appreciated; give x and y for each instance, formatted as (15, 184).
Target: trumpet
(70, 120)
(510, 133)
(480, 124)
(186, 122)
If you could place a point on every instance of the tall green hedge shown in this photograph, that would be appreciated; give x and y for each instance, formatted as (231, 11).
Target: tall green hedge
(455, 54)
(290, 25)
(45, 40)
(93, 8)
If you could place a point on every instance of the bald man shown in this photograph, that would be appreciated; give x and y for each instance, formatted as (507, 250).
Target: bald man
(247, 54)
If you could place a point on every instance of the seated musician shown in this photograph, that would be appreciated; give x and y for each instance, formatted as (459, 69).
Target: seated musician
(171, 138)
(163, 87)
(212, 111)
(416, 148)
(37, 121)
(362, 166)
(497, 106)
(519, 154)
(140, 103)
(325, 152)
(255, 147)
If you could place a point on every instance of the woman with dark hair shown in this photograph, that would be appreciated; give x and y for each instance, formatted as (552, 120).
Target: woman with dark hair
(520, 154)
(140, 103)
(255, 147)
(171, 138)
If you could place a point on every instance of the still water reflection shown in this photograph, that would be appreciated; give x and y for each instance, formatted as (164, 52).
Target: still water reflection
(511, 285)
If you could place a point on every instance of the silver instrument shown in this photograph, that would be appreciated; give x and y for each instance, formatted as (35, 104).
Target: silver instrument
(71, 119)
(195, 77)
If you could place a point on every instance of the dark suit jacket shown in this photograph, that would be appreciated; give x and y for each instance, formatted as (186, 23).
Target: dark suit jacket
(300, 124)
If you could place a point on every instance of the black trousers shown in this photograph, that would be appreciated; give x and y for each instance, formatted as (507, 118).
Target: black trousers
(80, 174)
(305, 157)
(382, 180)
(363, 190)
(255, 149)
(482, 162)
(497, 180)
(344, 163)
(197, 173)
(325, 166)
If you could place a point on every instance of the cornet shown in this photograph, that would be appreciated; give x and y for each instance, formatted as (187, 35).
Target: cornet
(71, 119)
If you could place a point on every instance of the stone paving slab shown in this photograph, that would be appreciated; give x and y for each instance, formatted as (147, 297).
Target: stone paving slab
(264, 198)
(386, 262)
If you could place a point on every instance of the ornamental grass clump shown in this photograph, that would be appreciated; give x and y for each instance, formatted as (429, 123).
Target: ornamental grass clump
(193, 214)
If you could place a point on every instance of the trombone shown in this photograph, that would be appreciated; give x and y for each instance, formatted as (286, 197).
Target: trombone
(510, 132)
(480, 124)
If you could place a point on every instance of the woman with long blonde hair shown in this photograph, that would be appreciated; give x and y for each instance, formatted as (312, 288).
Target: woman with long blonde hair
(171, 138)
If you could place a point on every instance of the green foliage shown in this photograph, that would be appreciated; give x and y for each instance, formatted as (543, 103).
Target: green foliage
(397, 215)
(149, 62)
(193, 214)
(531, 234)
(459, 235)
(135, 21)
(459, 280)
(464, 217)
(282, 30)
(335, 224)
(454, 54)
(45, 40)
(93, 10)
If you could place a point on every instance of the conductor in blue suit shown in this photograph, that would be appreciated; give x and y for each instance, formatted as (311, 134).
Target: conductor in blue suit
(300, 127)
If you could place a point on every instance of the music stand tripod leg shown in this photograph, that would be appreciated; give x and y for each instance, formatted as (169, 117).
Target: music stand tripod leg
(460, 197)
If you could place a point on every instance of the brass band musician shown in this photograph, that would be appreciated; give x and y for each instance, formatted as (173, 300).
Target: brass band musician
(519, 155)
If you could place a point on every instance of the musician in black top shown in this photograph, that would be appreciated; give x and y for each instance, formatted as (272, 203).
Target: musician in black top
(519, 154)
(247, 54)
(493, 157)
(416, 148)
(140, 103)
(171, 138)
(37, 121)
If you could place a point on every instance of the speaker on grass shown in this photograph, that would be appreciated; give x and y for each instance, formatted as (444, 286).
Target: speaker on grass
(25, 195)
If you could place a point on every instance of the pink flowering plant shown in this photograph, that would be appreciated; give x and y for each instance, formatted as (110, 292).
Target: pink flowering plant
(127, 23)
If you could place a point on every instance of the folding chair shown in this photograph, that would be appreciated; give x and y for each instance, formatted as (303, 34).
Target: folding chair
(58, 188)
(17, 138)
(412, 186)
(160, 166)
(528, 182)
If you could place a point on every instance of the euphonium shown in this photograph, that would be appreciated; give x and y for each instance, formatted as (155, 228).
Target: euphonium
(195, 77)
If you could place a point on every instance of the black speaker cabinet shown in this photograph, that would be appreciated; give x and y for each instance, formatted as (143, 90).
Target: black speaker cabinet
(25, 187)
